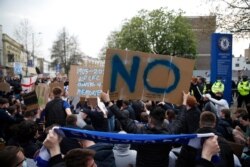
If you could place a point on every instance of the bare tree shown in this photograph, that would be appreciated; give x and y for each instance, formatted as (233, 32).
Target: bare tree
(23, 34)
(65, 50)
(232, 15)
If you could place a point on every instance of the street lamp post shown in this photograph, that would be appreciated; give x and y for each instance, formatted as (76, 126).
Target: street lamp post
(33, 48)
(27, 59)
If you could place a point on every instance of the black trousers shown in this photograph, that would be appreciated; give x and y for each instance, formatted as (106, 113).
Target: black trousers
(242, 99)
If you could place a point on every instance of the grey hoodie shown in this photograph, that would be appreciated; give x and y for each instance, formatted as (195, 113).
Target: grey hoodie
(123, 155)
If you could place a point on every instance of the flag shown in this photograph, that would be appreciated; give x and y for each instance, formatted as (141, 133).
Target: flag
(27, 83)
(42, 159)
(117, 138)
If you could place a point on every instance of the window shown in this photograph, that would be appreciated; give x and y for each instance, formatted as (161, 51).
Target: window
(11, 57)
(237, 65)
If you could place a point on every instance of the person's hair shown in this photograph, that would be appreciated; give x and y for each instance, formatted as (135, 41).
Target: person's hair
(244, 116)
(3, 101)
(71, 119)
(26, 131)
(29, 113)
(240, 111)
(8, 156)
(18, 106)
(23, 107)
(78, 157)
(57, 91)
(125, 113)
(144, 117)
(126, 102)
(12, 109)
(191, 101)
(194, 79)
(170, 114)
(158, 114)
(207, 119)
(119, 103)
(138, 106)
(227, 113)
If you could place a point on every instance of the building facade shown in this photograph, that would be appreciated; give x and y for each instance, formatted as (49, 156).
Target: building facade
(202, 27)
(12, 51)
(1, 45)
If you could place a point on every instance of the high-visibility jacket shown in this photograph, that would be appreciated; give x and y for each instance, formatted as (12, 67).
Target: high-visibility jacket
(204, 89)
(218, 86)
(243, 88)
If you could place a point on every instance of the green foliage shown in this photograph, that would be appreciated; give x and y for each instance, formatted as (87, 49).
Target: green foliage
(159, 31)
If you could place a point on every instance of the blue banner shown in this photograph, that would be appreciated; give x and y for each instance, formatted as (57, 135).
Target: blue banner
(109, 137)
(221, 62)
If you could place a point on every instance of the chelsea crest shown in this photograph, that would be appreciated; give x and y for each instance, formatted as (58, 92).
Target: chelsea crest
(224, 43)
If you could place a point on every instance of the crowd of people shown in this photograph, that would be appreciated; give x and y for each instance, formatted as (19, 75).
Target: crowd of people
(26, 134)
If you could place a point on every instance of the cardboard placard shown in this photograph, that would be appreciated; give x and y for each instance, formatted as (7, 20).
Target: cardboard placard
(4, 87)
(86, 80)
(31, 101)
(42, 92)
(56, 84)
(137, 75)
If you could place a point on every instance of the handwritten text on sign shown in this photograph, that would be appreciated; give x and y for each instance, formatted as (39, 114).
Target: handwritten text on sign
(137, 75)
(86, 80)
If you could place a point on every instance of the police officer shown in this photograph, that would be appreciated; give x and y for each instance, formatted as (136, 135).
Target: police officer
(244, 90)
(218, 86)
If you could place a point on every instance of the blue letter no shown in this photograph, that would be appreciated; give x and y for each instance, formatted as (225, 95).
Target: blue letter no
(118, 67)
(169, 65)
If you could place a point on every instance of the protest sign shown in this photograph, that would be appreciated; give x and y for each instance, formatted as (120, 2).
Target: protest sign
(56, 84)
(42, 92)
(4, 87)
(138, 75)
(86, 80)
(31, 101)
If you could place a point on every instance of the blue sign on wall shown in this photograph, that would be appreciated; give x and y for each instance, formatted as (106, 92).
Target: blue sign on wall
(58, 68)
(30, 63)
(221, 62)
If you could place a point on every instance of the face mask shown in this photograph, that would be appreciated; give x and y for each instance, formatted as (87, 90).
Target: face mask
(218, 97)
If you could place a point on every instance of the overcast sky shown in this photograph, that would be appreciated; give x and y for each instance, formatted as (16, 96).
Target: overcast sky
(91, 20)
